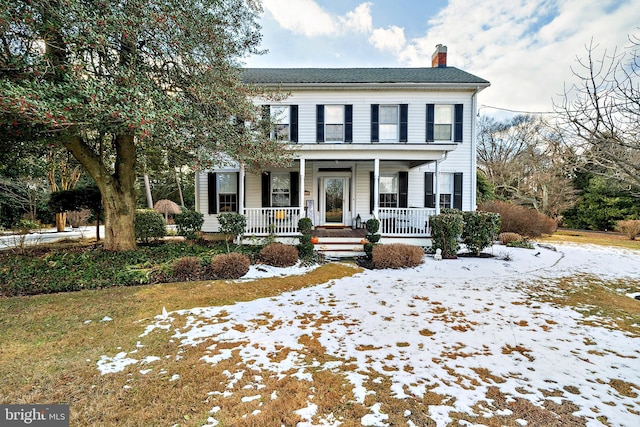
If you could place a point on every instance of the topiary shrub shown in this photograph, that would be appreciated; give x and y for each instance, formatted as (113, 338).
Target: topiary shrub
(479, 230)
(189, 223)
(372, 225)
(505, 238)
(186, 268)
(305, 247)
(149, 225)
(229, 266)
(630, 228)
(279, 255)
(396, 255)
(445, 230)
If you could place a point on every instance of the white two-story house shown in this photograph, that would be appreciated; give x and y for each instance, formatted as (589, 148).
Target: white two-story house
(396, 144)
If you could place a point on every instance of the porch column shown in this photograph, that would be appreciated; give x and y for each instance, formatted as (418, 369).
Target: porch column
(241, 189)
(437, 185)
(301, 188)
(376, 190)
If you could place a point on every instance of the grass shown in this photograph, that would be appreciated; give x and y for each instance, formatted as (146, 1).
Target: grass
(591, 238)
(49, 346)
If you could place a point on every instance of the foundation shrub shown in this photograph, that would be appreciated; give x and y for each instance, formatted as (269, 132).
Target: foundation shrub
(519, 219)
(507, 237)
(279, 255)
(305, 247)
(186, 268)
(446, 229)
(630, 228)
(189, 223)
(229, 266)
(372, 238)
(396, 255)
(479, 230)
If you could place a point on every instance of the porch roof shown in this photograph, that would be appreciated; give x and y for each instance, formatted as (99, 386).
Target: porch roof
(416, 154)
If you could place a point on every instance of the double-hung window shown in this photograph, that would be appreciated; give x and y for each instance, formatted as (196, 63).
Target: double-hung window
(389, 118)
(228, 192)
(281, 122)
(388, 189)
(443, 122)
(280, 189)
(333, 123)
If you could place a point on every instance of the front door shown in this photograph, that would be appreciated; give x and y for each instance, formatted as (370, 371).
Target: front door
(334, 200)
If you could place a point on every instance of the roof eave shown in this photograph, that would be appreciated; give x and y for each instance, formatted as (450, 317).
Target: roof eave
(376, 86)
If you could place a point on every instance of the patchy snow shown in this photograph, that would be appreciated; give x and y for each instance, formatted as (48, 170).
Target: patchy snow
(434, 328)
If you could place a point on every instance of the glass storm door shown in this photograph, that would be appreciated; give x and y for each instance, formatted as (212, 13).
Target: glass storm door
(334, 201)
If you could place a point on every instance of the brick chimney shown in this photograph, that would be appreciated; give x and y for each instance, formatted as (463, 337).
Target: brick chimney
(439, 57)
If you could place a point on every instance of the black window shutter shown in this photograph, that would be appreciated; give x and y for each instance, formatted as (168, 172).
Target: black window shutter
(404, 118)
(294, 178)
(266, 189)
(458, 123)
(319, 123)
(212, 192)
(430, 122)
(457, 190)
(403, 186)
(429, 197)
(265, 122)
(348, 123)
(371, 190)
(238, 184)
(375, 122)
(293, 123)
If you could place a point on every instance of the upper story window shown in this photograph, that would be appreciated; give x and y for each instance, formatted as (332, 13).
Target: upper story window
(280, 120)
(334, 123)
(444, 122)
(389, 123)
(283, 120)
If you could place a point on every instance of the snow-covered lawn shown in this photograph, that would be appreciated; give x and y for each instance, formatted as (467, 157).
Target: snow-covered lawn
(455, 329)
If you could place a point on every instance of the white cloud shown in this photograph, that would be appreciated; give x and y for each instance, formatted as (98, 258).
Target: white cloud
(306, 17)
(391, 39)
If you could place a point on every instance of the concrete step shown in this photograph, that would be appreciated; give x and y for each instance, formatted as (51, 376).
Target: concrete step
(340, 247)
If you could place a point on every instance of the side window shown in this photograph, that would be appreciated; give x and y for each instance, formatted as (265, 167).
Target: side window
(227, 192)
(389, 122)
(388, 187)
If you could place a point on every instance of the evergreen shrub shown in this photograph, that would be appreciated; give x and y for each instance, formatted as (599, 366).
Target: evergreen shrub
(189, 223)
(149, 225)
(479, 230)
(446, 229)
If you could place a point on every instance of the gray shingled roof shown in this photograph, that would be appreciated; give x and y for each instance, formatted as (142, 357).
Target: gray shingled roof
(444, 75)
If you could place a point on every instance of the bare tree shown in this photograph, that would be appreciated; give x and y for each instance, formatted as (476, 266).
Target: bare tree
(526, 162)
(601, 112)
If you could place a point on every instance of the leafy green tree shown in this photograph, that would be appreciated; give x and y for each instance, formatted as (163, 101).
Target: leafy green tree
(114, 82)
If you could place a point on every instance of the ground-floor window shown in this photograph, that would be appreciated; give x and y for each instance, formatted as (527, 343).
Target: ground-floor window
(388, 186)
(280, 189)
(227, 192)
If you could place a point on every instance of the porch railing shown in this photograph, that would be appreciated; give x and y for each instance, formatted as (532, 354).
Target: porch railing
(278, 221)
(405, 222)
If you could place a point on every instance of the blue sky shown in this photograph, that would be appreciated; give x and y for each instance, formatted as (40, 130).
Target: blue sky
(525, 48)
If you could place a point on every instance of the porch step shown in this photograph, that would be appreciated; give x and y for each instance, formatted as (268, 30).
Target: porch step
(340, 247)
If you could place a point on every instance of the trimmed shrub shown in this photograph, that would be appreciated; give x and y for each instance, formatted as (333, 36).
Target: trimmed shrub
(232, 224)
(189, 223)
(279, 255)
(396, 255)
(445, 230)
(229, 266)
(186, 268)
(479, 230)
(505, 238)
(372, 225)
(149, 225)
(519, 219)
(305, 247)
(630, 228)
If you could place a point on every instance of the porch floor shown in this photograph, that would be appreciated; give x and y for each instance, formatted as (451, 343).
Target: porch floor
(338, 232)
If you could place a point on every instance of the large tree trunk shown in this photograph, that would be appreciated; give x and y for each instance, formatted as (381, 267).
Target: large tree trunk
(117, 189)
(61, 221)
